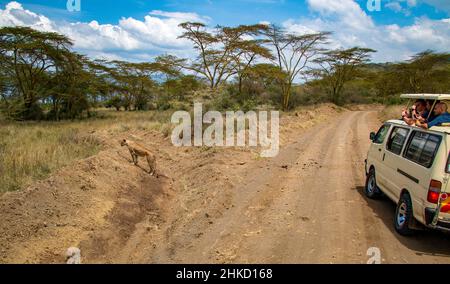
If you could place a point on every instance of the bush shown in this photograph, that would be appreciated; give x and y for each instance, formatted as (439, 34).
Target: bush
(163, 103)
(115, 102)
(31, 112)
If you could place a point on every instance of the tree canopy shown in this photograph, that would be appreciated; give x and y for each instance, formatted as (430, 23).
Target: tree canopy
(41, 77)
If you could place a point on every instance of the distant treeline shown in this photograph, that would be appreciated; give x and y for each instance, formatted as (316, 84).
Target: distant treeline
(41, 77)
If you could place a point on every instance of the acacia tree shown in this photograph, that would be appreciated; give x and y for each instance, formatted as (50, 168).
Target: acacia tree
(293, 53)
(263, 80)
(135, 81)
(182, 87)
(425, 72)
(30, 59)
(245, 56)
(221, 50)
(167, 65)
(132, 83)
(67, 88)
(337, 67)
(101, 84)
(3, 84)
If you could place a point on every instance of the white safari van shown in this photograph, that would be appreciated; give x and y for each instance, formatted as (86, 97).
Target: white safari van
(411, 166)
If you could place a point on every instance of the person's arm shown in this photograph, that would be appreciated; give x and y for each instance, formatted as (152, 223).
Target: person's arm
(435, 122)
(424, 116)
(405, 116)
(422, 119)
(405, 113)
(422, 125)
(409, 121)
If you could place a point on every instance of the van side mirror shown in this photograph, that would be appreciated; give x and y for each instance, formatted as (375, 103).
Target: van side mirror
(372, 136)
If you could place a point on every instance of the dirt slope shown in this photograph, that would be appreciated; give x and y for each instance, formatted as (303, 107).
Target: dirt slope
(217, 205)
(306, 206)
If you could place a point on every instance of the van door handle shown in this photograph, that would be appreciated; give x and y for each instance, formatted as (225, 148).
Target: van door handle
(408, 176)
(384, 156)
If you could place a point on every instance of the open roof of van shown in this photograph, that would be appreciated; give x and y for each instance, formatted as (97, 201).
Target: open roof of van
(443, 128)
(440, 97)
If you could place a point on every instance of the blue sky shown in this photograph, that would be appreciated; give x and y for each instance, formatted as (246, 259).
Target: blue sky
(223, 12)
(139, 29)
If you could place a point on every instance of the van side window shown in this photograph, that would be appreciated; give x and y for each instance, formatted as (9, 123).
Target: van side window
(381, 135)
(397, 140)
(422, 148)
(447, 169)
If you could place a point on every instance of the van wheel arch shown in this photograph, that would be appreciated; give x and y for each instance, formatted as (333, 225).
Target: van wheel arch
(404, 219)
(371, 189)
(404, 191)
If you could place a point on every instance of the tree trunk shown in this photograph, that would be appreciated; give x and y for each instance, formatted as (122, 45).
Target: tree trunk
(286, 96)
(240, 85)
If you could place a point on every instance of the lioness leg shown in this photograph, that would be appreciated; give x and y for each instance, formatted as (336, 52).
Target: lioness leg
(152, 165)
(132, 156)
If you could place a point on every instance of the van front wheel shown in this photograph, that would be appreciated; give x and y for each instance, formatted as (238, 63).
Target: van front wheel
(404, 216)
(371, 189)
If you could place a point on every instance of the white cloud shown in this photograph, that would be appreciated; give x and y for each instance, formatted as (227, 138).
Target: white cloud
(393, 42)
(140, 39)
(191, 17)
(13, 5)
(157, 33)
(348, 11)
(267, 23)
(15, 15)
(394, 6)
(403, 6)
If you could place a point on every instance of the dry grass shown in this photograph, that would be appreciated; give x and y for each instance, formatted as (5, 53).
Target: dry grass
(31, 151)
(391, 112)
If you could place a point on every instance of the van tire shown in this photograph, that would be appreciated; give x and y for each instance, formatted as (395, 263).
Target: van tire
(404, 216)
(371, 190)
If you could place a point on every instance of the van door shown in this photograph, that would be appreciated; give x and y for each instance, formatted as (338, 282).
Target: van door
(416, 171)
(376, 154)
(393, 160)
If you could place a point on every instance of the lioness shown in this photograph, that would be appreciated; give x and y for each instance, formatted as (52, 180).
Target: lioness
(137, 150)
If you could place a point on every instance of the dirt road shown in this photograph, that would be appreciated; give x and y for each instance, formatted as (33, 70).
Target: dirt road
(307, 206)
(218, 206)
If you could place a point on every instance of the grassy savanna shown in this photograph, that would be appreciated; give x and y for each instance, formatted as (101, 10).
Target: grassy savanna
(31, 151)
(53, 98)
(391, 112)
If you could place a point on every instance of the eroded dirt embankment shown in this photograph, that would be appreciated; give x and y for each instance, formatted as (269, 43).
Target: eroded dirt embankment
(116, 212)
(216, 205)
